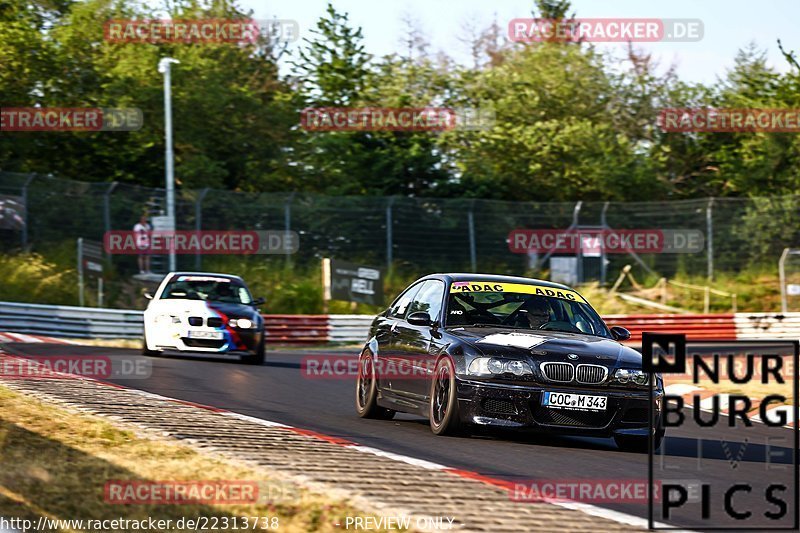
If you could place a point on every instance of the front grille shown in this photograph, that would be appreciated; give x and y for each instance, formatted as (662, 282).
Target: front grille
(561, 372)
(214, 322)
(204, 343)
(591, 374)
(502, 407)
(195, 321)
(562, 417)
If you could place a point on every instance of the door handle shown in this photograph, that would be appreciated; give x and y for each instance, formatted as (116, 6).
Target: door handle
(394, 331)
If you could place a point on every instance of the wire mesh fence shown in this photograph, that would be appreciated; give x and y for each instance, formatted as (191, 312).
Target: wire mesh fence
(419, 234)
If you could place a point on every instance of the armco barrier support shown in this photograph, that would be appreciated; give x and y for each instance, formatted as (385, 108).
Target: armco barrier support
(90, 322)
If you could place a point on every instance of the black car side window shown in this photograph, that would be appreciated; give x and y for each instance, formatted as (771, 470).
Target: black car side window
(400, 306)
(429, 299)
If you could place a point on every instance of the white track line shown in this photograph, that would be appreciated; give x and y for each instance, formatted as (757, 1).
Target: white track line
(21, 337)
(788, 409)
(724, 402)
(680, 389)
(397, 457)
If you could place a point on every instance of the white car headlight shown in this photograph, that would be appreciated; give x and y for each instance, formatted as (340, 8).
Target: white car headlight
(242, 323)
(628, 375)
(491, 366)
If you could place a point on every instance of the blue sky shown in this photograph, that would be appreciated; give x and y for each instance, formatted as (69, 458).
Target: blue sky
(729, 25)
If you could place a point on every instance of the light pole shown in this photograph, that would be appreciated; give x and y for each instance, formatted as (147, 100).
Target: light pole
(164, 68)
(782, 277)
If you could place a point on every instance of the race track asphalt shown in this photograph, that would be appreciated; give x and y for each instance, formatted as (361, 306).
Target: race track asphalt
(280, 391)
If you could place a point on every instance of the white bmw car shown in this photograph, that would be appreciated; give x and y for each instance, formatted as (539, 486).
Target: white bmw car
(204, 313)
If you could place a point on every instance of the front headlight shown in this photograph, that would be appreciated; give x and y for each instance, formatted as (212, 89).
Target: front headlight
(242, 323)
(163, 320)
(492, 366)
(630, 375)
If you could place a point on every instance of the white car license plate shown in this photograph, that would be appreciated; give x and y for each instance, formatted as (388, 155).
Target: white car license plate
(205, 335)
(565, 400)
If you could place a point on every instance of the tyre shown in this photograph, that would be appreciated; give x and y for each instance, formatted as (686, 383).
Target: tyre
(145, 349)
(258, 357)
(638, 444)
(443, 414)
(367, 391)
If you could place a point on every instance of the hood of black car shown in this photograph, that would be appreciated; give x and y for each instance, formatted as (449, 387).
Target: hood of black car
(232, 310)
(549, 346)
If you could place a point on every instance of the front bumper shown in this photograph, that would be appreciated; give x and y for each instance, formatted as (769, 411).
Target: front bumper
(232, 342)
(515, 406)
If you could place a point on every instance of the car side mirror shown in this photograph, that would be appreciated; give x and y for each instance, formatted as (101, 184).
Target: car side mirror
(147, 295)
(420, 318)
(258, 301)
(619, 333)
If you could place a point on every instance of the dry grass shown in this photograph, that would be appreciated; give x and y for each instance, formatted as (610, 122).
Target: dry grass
(55, 463)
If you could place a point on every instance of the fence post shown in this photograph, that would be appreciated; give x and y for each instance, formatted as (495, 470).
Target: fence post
(389, 236)
(198, 224)
(710, 239)
(24, 235)
(473, 256)
(107, 206)
(107, 224)
(80, 271)
(287, 220)
(603, 258)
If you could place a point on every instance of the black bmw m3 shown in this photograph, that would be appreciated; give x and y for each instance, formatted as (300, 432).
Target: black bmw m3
(468, 350)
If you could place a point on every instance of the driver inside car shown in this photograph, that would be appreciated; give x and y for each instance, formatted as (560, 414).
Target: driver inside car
(533, 314)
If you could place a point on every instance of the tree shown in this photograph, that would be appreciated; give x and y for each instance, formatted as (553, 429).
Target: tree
(555, 136)
(231, 116)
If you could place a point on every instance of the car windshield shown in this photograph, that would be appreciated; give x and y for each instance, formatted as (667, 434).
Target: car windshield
(212, 289)
(522, 306)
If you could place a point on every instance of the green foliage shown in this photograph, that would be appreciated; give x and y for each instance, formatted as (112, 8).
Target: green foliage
(232, 116)
(31, 278)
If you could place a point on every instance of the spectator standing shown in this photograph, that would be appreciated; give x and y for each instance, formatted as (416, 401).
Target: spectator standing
(142, 231)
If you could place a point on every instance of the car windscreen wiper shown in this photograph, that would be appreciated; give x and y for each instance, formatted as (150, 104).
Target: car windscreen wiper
(576, 333)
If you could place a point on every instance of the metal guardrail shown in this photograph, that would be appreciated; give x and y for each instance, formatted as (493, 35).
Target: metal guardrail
(70, 321)
(90, 322)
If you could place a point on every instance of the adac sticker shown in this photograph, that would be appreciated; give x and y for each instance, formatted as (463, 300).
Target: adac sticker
(483, 286)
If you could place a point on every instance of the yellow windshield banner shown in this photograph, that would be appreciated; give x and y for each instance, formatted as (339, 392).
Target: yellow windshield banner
(523, 288)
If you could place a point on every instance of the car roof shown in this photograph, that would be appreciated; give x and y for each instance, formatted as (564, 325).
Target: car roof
(214, 274)
(461, 276)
